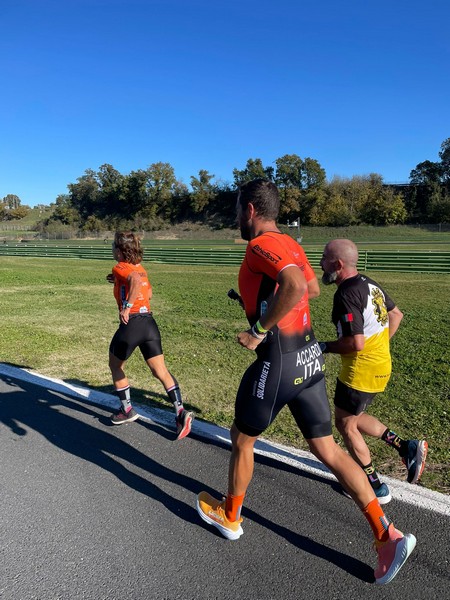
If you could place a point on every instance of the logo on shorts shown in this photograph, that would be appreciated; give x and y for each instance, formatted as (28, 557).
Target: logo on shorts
(309, 359)
(262, 380)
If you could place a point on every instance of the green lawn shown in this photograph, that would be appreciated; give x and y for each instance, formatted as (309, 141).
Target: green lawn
(366, 236)
(58, 317)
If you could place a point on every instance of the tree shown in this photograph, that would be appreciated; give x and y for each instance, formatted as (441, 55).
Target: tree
(65, 212)
(312, 174)
(439, 205)
(296, 178)
(384, 207)
(11, 208)
(309, 198)
(203, 191)
(351, 193)
(92, 225)
(289, 203)
(137, 193)
(288, 178)
(426, 199)
(426, 173)
(223, 206)
(254, 169)
(444, 155)
(289, 171)
(331, 209)
(358, 199)
(19, 213)
(112, 196)
(181, 201)
(11, 201)
(84, 194)
(161, 181)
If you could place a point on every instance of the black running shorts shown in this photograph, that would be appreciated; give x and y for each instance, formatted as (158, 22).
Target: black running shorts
(352, 401)
(141, 332)
(274, 380)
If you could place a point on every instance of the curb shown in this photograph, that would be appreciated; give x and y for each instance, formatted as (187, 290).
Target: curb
(411, 494)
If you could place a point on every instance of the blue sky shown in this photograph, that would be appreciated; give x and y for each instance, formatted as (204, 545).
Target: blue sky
(360, 87)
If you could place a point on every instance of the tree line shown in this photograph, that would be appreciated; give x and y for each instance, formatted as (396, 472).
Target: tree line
(11, 208)
(150, 199)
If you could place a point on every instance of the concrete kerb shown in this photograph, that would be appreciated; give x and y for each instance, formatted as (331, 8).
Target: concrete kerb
(300, 459)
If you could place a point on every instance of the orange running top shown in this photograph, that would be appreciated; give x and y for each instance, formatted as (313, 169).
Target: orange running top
(266, 256)
(122, 271)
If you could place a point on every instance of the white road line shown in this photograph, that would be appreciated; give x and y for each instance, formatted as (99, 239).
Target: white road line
(412, 494)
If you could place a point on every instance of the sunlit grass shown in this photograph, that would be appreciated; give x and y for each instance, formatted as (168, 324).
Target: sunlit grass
(58, 317)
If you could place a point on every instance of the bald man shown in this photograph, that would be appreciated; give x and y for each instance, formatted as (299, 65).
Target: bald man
(365, 318)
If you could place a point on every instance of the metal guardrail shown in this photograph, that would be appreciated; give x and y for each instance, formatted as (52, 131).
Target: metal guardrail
(369, 260)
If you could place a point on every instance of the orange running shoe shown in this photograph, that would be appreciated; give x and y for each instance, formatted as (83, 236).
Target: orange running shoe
(392, 554)
(212, 511)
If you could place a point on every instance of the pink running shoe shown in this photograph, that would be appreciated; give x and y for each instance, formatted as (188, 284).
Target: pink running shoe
(392, 554)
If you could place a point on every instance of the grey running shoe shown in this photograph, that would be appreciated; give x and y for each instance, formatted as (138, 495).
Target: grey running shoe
(414, 461)
(121, 417)
(382, 493)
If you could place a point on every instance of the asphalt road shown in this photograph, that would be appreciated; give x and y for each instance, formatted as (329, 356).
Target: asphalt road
(93, 511)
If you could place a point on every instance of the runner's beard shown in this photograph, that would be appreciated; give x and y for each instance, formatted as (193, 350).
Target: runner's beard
(245, 231)
(329, 278)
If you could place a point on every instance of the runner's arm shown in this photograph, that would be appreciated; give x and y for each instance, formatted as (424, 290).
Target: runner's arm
(395, 317)
(346, 344)
(355, 343)
(313, 288)
(292, 287)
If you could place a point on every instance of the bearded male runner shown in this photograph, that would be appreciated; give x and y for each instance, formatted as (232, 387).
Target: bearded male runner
(275, 283)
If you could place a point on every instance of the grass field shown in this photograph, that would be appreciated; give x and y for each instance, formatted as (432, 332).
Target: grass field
(367, 236)
(58, 317)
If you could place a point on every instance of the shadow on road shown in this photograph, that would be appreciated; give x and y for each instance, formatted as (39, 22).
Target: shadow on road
(54, 416)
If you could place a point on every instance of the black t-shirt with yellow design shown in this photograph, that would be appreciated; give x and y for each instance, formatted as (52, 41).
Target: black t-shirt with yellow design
(360, 306)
